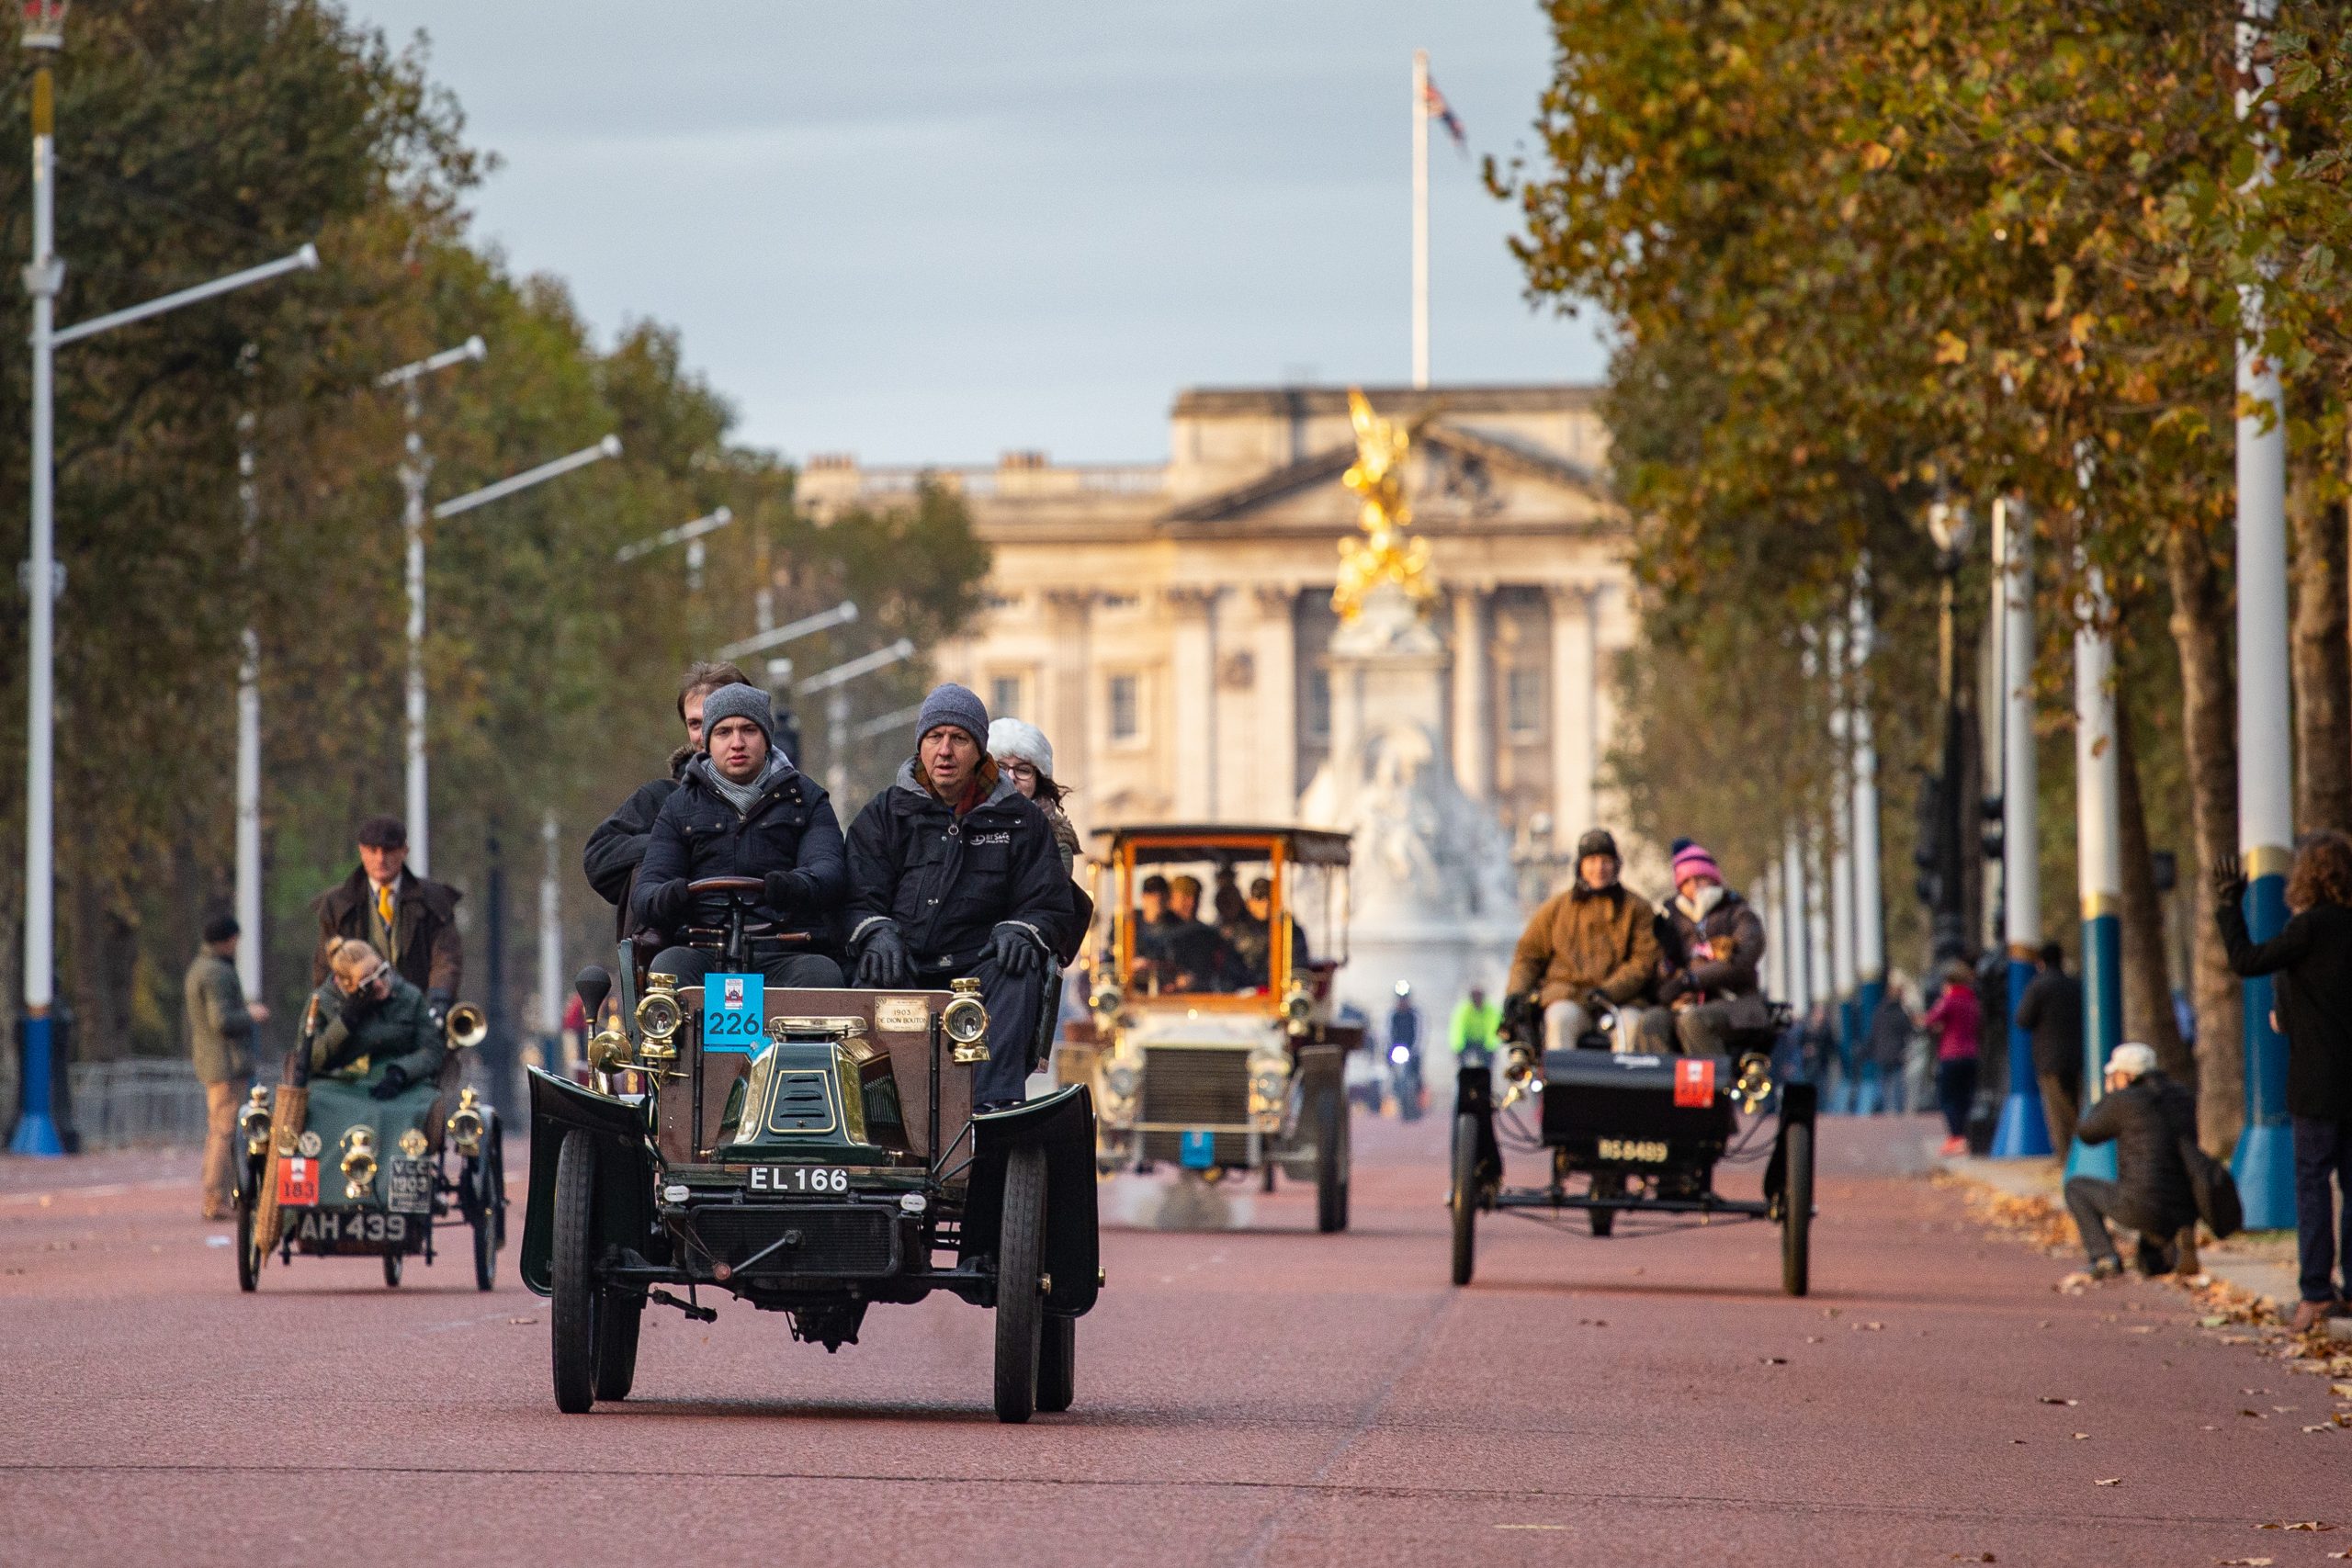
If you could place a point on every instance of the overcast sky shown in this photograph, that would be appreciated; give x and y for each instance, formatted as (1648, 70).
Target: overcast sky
(924, 232)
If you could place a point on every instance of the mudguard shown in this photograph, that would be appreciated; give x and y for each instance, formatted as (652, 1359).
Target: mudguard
(1798, 1103)
(624, 1171)
(1063, 1125)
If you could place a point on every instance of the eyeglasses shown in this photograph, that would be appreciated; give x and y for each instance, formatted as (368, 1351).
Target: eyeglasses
(1017, 771)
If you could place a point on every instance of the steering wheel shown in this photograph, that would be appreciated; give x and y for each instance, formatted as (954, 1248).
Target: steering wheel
(728, 885)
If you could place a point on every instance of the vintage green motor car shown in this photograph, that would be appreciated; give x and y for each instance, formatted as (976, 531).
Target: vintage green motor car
(816, 1164)
(329, 1170)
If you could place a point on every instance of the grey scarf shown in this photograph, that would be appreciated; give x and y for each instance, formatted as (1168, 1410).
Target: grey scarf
(742, 796)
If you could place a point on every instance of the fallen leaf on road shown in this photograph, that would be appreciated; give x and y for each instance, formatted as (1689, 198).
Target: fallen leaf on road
(1869, 1327)
(1978, 1557)
(1784, 1360)
(1813, 1339)
(2054, 1399)
(522, 1320)
(2322, 1426)
(2341, 1390)
(2141, 1328)
(2080, 1435)
(2312, 1525)
(1829, 1312)
(2109, 1481)
(2255, 1413)
(2244, 1562)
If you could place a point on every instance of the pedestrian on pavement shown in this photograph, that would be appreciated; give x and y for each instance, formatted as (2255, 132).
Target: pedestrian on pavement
(953, 873)
(1588, 947)
(1953, 1020)
(1891, 1029)
(1473, 1030)
(743, 809)
(2146, 1115)
(1717, 991)
(2051, 1012)
(411, 922)
(2311, 958)
(616, 848)
(221, 1030)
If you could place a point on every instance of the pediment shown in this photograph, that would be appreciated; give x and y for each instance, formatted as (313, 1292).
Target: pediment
(1457, 474)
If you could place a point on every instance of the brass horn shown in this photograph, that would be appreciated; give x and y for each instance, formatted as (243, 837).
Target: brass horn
(468, 1026)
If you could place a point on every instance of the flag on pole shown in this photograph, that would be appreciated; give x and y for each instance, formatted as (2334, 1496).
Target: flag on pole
(1434, 106)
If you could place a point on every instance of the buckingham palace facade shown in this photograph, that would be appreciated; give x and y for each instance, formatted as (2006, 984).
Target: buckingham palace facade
(1166, 624)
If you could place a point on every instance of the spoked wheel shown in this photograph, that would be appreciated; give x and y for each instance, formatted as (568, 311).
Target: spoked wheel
(1331, 1163)
(1605, 1220)
(482, 1215)
(497, 1183)
(1057, 1363)
(248, 1237)
(1019, 1293)
(1466, 1197)
(1797, 1208)
(393, 1262)
(572, 1296)
(618, 1317)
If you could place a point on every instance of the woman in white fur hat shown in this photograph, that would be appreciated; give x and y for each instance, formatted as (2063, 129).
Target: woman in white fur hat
(1024, 755)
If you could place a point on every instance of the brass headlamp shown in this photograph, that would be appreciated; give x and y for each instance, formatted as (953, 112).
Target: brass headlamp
(1522, 1074)
(253, 1121)
(965, 1019)
(1298, 1009)
(358, 1160)
(660, 1015)
(1269, 1087)
(1103, 1002)
(1755, 1081)
(466, 1126)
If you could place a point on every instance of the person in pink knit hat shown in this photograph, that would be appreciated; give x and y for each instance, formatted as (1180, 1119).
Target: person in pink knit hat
(1722, 941)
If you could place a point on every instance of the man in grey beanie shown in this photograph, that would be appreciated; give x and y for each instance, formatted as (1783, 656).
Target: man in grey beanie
(953, 873)
(743, 810)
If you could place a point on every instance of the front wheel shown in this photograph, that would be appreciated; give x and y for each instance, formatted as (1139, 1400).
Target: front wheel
(1466, 1197)
(248, 1237)
(392, 1261)
(1797, 1208)
(618, 1317)
(572, 1296)
(1020, 1285)
(1331, 1164)
(1057, 1363)
(1605, 1221)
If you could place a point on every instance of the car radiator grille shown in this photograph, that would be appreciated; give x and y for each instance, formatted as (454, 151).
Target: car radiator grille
(844, 1241)
(1196, 1089)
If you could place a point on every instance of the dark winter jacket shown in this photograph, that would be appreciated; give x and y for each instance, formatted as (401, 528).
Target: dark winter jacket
(1892, 1032)
(1731, 917)
(790, 828)
(2051, 1012)
(219, 1028)
(618, 846)
(2311, 958)
(397, 1031)
(948, 882)
(427, 951)
(2146, 1120)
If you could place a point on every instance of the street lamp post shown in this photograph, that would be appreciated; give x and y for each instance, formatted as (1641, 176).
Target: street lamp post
(2023, 1130)
(2099, 860)
(1951, 528)
(1870, 923)
(44, 33)
(835, 684)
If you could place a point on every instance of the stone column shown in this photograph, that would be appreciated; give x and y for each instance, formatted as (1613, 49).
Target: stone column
(1067, 679)
(1193, 701)
(1573, 711)
(1474, 708)
(1275, 740)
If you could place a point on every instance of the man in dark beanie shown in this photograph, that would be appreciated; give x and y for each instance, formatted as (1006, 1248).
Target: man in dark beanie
(615, 847)
(952, 873)
(1588, 947)
(412, 923)
(220, 1025)
(743, 810)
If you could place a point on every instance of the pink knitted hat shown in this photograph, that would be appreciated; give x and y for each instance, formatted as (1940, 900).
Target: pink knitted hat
(1694, 859)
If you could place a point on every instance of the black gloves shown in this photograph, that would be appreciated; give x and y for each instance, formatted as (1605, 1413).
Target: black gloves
(1015, 950)
(883, 964)
(1674, 985)
(438, 1003)
(356, 1007)
(785, 890)
(395, 1080)
(2229, 880)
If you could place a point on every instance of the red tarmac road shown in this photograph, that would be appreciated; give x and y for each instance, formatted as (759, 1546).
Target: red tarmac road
(1258, 1396)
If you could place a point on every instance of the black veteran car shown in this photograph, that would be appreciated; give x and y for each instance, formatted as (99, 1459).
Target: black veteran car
(1632, 1136)
(808, 1152)
(353, 1160)
(1210, 1045)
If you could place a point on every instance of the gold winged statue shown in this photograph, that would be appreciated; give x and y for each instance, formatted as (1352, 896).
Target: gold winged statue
(1386, 553)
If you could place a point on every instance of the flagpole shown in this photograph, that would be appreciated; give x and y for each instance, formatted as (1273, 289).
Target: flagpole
(1421, 218)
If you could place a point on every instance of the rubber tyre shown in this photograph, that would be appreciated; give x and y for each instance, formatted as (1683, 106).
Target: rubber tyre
(483, 1216)
(392, 1261)
(1605, 1221)
(1797, 1208)
(248, 1244)
(1266, 1177)
(485, 1252)
(498, 1182)
(1057, 1363)
(618, 1317)
(572, 1296)
(1464, 1198)
(1330, 1165)
(1020, 1302)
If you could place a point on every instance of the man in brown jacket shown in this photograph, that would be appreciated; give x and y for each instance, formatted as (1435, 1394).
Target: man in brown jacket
(410, 921)
(1594, 938)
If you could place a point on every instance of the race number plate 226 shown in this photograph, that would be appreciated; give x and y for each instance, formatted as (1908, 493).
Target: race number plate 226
(734, 1012)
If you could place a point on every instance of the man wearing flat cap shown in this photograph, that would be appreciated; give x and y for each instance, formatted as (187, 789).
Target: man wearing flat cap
(221, 1027)
(412, 923)
(952, 873)
(743, 810)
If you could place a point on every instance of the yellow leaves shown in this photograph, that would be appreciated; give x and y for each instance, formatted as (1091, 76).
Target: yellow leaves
(2068, 140)
(1950, 348)
(2061, 278)
(1876, 155)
